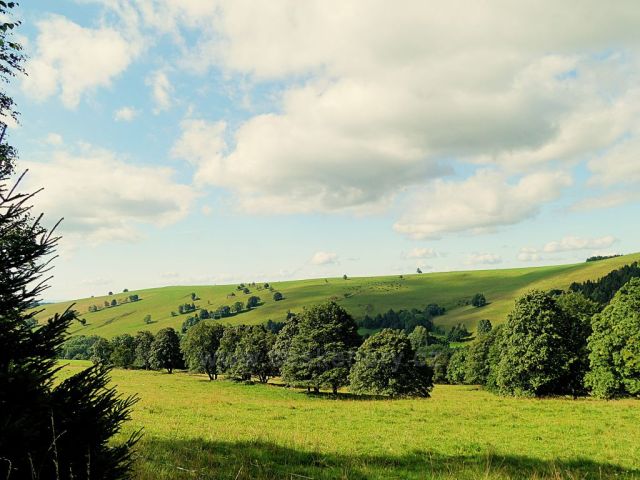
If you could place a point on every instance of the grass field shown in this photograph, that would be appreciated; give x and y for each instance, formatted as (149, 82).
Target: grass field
(196, 429)
(358, 295)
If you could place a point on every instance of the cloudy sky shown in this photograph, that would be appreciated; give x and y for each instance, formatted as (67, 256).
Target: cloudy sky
(211, 141)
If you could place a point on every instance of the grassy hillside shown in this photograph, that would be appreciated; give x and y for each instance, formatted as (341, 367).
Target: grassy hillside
(358, 295)
(194, 428)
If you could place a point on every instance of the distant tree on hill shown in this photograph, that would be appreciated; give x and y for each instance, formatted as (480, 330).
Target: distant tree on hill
(147, 319)
(134, 298)
(107, 304)
(458, 333)
(322, 351)
(165, 350)
(194, 297)
(114, 303)
(266, 285)
(143, 356)
(238, 307)
(188, 323)
(615, 346)
(478, 300)
(246, 291)
(484, 326)
(125, 290)
(344, 277)
(200, 347)
(278, 296)
(204, 314)
(604, 289)
(253, 302)
(418, 270)
(110, 293)
(224, 311)
(384, 364)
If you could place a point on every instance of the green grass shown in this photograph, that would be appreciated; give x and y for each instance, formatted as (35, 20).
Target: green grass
(358, 295)
(194, 428)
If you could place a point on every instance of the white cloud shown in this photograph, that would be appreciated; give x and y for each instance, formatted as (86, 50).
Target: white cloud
(572, 243)
(371, 112)
(607, 200)
(54, 139)
(103, 198)
(529, 254)
(482, 202)
(483, 259)
(161, 90)
(125, 114)
(71, 60)
(422, 253)
(324, 258)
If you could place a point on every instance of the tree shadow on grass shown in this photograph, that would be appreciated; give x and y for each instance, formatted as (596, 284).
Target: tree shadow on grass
(196, 458)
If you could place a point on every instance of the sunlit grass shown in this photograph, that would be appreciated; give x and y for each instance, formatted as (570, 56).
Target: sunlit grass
(194, 428)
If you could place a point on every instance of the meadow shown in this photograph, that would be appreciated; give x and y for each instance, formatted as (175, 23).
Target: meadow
(359, 296)
(194, 428)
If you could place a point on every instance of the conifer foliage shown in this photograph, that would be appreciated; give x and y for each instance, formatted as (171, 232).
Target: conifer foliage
(47, 430)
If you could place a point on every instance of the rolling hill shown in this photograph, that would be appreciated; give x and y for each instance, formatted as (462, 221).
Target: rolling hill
(359, 296)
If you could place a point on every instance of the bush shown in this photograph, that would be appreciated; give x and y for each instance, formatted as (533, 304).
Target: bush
(78, 347)
(277, 296)
(253, 302)
(484, 326)
(385, 364)
(478, 300)
(456, 367)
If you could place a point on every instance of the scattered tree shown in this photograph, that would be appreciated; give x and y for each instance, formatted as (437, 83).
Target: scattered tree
(147, 319)
(418, 270)
(278, 296)
(253, 302)
(484, 326)
(238, 307)
(478, 300)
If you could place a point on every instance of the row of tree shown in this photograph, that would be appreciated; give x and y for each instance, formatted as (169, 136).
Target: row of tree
(558, 344)
(603, 290)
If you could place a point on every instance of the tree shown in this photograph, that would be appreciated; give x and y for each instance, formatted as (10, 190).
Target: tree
(143, 343)
(282, 344)
(224, 311)
(478, 300)
(188, 323)
(78, 347)
(344, 277)
(385, 365)
(125, 290)
(252, 354)
(147, 319)
(238, 307)
(418, 270)
(458, 333)
(114, 303)
(278, 296)
(226, 357)
(252, 302)
(456, 367)
(200, 347)
(615, 346)
(165, 350)
(538, 348)
(484, 326)
(123, 351)
(477, 364)
(36, 408)
(101, 351)
(321, 352)
(204, 314)
(420, 340)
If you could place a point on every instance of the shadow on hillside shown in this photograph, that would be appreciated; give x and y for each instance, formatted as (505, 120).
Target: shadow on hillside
(159, 458)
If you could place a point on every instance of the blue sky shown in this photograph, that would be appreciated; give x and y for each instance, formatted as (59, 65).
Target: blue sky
(212, 141)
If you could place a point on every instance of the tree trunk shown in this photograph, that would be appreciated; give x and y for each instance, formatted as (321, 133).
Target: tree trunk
(316, 389)
(335, 389)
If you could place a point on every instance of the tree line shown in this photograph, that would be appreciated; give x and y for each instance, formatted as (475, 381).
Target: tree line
(603, 289)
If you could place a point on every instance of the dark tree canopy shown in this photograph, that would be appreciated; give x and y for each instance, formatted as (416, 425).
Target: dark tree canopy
(322, 350)
(615, 346)
(484, 327)
(478, 300)
(385, 364)
(603, 290)
(165, 350)
(81, 413)
(200, 347)
(541, 349)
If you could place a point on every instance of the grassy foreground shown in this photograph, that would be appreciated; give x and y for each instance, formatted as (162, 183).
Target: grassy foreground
(196, 429)
(359, 296)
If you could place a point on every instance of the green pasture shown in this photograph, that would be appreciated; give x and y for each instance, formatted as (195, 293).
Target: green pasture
(197, 429)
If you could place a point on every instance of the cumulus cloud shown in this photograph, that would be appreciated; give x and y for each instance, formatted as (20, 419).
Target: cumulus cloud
(482, 202)
(324, 258)
(422, 253)
(372, 113)
(483, 259)
(70, 60)
(104, 198)
(529, 254)
(161, 90)
(125, 114)
(572, 243)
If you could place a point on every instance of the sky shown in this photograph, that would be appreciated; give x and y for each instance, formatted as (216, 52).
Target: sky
(212, 141)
